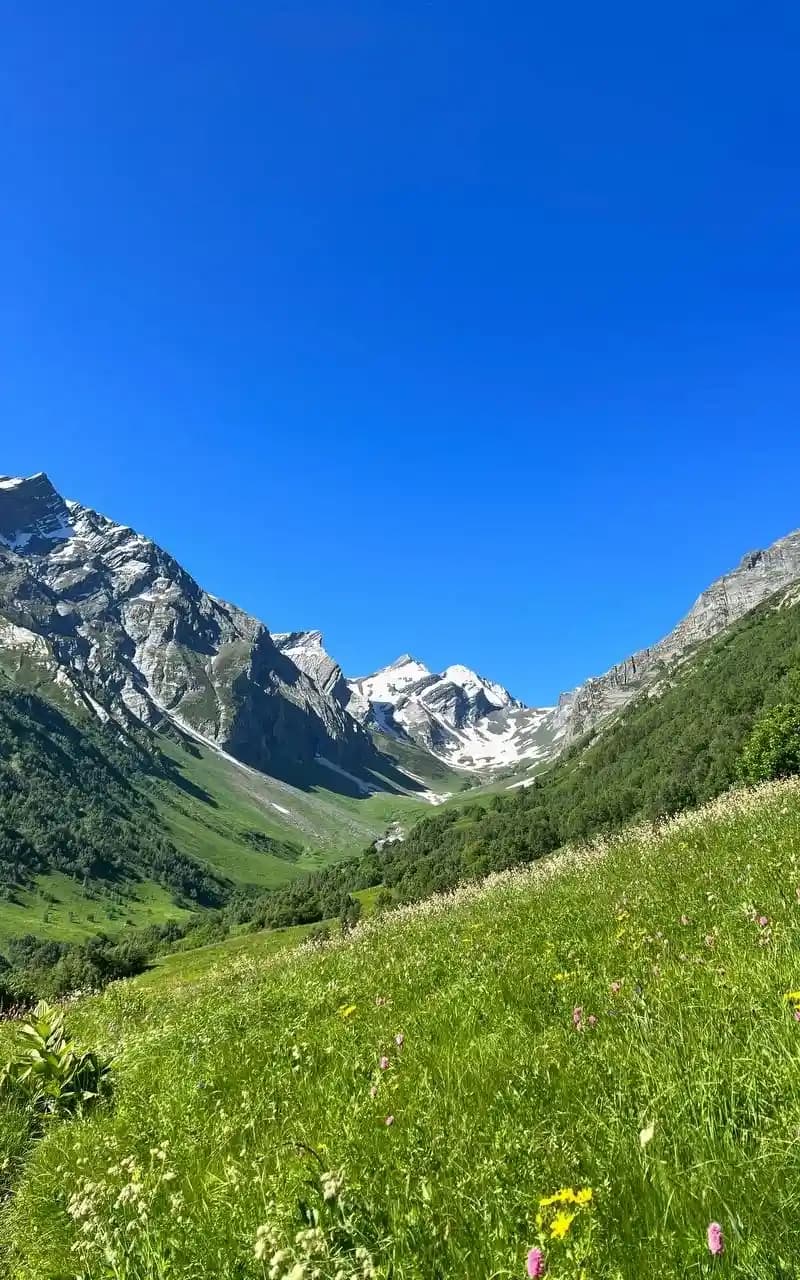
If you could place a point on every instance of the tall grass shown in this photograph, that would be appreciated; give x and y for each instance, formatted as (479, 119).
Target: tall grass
(616, 1020)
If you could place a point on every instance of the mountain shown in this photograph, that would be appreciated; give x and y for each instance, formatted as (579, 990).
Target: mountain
(759, 575)
(462, 718)
(305, 648)
(119, 622)
(475, 725)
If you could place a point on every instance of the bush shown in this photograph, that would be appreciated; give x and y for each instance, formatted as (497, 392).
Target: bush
(773, 747)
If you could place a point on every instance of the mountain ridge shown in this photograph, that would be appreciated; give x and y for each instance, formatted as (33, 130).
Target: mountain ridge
(132, 632)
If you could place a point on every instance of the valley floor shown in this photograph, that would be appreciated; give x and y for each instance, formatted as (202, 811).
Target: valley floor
(596, 1057)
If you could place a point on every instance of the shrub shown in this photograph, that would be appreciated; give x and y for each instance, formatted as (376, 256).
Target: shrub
(773, 747)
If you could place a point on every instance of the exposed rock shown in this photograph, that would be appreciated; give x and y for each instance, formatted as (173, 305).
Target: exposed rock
(759, 575)
(136, 633)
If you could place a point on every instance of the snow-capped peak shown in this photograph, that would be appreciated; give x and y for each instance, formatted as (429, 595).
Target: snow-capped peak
(473, 684)
(464, 719)
(390, 683)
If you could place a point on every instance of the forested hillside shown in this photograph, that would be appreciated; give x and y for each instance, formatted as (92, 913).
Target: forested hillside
(71, 801)
(671, 749)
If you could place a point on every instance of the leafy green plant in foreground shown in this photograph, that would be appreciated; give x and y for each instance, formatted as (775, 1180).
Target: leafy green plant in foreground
(48, 1073)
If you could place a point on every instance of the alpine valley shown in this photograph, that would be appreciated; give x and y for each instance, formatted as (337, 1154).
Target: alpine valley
(162, 751)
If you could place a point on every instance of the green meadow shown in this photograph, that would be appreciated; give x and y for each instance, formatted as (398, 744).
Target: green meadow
(596, 1057)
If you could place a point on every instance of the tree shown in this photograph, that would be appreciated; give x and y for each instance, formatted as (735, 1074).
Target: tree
(773, 748)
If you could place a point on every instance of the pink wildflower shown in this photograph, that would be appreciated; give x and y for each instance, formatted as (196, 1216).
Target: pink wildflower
(535, 1263)
(763, 921)
(399, 1039)
(592, 1020)
(716, 1244)
(373, 1093)
(384, 1063)
(577, 1017)
(389, 1120)
(616, 987)
(796, 1012)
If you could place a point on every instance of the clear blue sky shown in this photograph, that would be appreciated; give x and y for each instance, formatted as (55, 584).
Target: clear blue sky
(469, 330)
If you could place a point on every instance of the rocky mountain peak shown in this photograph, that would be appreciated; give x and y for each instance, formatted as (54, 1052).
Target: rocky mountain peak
(306, 649)
(32, 513)
(116, 619)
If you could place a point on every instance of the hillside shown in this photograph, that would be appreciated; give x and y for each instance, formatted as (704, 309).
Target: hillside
(613, 1021)
(675, 746)
(101, 829)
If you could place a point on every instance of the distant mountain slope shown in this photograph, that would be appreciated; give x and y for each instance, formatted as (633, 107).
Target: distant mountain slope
(673, 747)
(458, 717)
(72, 800)
(759, 575)
(129, 629)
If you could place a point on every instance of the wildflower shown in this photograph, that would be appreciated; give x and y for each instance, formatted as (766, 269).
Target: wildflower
(535, 1263)
(716, 1243)
(373, 1093)
(389, 1120)
(565, 1196)
(592, 1020)
(684, 920)
(616, 987)
(796, 1012)
(399, 1039)
(561, 1224)
(347, 1010)
(763, 921)
(584, 1196)
(384, 1063)
(577, 1017)
(646, 1134)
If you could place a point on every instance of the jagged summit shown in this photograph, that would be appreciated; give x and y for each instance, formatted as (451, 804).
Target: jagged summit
(459, 716)
(306, 649)
(32, 513)
(116, 619)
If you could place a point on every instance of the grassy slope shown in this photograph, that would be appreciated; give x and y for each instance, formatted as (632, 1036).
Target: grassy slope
(245, 1070)
(207, 810)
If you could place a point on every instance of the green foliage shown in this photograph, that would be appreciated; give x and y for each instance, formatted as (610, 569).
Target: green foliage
(72, 800)
(48, 1072)
(772, 749)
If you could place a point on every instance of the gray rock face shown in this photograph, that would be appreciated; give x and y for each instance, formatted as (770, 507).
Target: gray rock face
(759, 575)
(128, 628)
(306, 651)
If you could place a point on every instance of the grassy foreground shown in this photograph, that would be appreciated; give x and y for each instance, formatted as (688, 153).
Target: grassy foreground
(610, 1031)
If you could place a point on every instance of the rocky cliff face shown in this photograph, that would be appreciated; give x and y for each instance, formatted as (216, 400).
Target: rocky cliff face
(759, 575)
(307, 652)
(124, 626)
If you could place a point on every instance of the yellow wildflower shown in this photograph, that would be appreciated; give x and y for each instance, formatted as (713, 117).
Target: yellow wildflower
(584, 1196)
(561, 1224)
(565, 1196)
(347, 1010)
(792, 995)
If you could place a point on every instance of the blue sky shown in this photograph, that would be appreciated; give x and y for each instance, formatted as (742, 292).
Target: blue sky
(466, 330)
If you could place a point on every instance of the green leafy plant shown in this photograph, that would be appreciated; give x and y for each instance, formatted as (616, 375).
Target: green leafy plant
(54, 1077)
